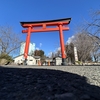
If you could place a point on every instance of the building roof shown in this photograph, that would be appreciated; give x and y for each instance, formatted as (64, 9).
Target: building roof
(57, 57)
(36, 57)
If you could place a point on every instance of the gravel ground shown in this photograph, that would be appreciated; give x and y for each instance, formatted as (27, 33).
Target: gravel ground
(49, 82)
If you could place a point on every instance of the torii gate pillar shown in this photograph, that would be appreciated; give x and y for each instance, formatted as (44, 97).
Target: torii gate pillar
(42, 26)
(62, 45)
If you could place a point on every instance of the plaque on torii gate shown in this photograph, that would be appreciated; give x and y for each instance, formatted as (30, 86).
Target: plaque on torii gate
(45, 26)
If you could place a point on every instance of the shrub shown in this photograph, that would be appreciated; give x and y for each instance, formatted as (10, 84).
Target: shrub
(5, 58)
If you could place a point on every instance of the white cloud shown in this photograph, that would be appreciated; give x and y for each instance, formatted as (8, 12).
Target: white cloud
(59, 49)
(49, 54)
(37, 48)
(40, 44)
(69, 40)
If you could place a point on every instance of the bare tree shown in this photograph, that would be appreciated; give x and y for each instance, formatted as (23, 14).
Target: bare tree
(58, 53)
(9, 41)
(52, 55)
(70, 52)
(87, 39)
(95, 52)
(93, 27)
(84, 45)
(93, 30)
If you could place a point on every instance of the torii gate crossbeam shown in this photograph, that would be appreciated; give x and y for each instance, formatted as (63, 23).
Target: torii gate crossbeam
(45, 26)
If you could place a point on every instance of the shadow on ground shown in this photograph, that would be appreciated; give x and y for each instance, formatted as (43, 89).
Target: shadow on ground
(44, 84)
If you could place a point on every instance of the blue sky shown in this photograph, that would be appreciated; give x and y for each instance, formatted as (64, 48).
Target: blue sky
(12, 12)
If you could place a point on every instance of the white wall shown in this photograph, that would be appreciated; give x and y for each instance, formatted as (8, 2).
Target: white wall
(58, 61)
(18, 59)
(30, 60)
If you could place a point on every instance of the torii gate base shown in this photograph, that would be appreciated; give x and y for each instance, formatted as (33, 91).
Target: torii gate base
(45, 26)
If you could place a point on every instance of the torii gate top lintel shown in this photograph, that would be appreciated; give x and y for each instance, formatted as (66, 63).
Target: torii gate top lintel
(63, 21)
(45, 26)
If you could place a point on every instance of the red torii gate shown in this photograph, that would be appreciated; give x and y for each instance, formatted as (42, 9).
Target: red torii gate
(45, 26)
